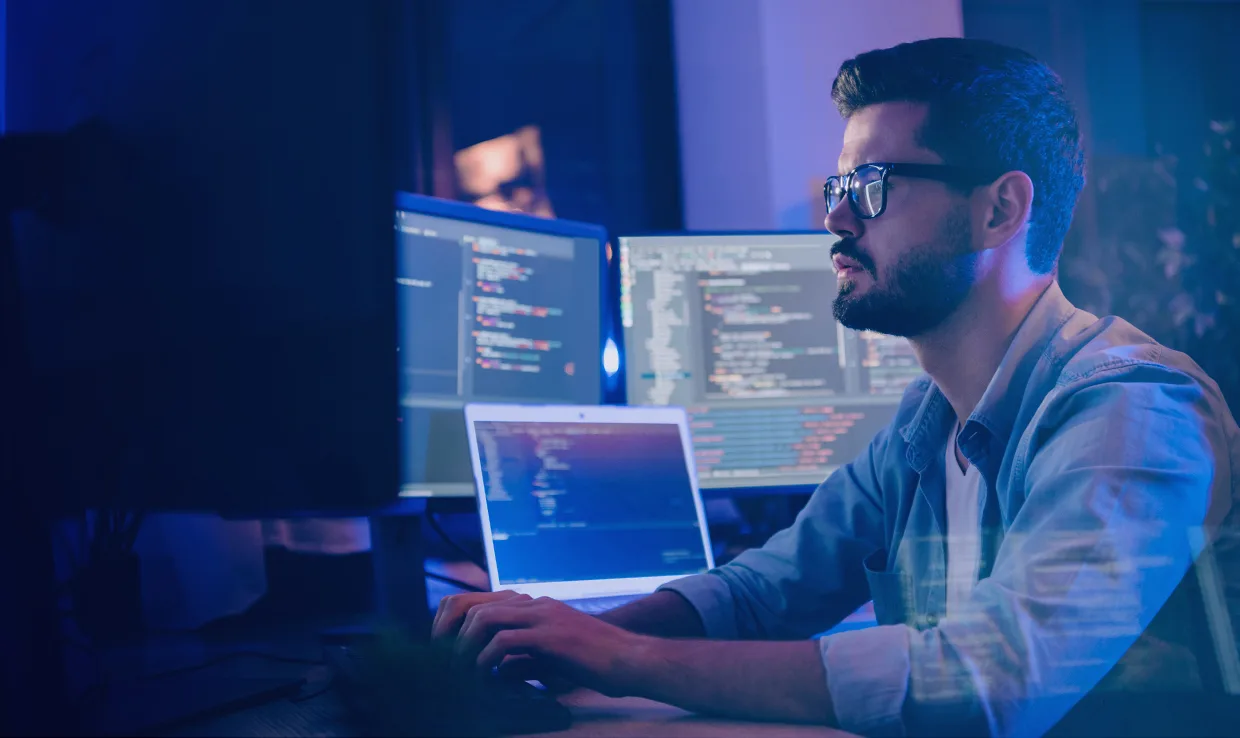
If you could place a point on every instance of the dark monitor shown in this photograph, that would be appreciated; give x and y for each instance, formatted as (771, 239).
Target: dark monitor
(737, 328)
(209, 317)
(492, 307)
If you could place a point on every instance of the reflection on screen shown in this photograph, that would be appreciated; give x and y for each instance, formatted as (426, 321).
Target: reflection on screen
(739, 331)
(581, 501)
(487, 314)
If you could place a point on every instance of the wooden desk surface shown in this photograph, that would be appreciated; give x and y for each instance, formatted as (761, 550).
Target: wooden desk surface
(594, 716)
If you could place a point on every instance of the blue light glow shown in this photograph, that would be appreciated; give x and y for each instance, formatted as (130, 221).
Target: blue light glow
(611, 358)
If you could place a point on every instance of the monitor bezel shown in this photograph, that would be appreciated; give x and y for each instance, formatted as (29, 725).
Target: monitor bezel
(457, 210)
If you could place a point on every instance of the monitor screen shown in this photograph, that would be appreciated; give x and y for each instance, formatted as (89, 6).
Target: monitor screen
(621, 492)
(201, 312)
(491, 307)
(738, 330)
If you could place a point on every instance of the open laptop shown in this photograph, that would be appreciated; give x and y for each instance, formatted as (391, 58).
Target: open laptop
(591, 505)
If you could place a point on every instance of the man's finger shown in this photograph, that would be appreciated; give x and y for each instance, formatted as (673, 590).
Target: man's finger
(484, 622)
(476, 608)
(445, 605)
(451, 609)
(508, 642)
(454, 609)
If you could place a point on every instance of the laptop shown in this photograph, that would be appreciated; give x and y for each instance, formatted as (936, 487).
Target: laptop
(591, 505)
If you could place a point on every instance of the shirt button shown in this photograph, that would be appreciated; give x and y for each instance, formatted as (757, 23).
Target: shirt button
(931, 621)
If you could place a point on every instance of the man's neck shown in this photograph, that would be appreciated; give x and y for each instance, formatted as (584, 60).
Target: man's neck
(962, 354)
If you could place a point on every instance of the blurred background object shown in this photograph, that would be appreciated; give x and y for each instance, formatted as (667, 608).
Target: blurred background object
(1166, 256)
(505, 173)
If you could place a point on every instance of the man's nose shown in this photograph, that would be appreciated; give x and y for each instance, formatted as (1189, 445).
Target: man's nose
(842, 221)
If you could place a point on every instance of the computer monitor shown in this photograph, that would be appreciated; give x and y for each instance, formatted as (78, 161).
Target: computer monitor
(491, 307)
(737, 328)
(208, 311)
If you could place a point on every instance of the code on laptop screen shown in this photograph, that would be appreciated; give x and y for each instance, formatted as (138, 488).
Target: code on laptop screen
(587, 501)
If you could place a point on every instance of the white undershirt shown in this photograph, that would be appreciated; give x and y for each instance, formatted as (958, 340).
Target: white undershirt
(964, 541)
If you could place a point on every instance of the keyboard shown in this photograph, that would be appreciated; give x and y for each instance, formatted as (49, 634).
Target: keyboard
(595, 605)
(408, 689)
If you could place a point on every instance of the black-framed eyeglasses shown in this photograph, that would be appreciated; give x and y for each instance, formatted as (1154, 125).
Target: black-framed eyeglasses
(866, 186)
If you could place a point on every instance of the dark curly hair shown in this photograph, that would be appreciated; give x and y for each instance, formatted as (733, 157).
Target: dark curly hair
(992, 107)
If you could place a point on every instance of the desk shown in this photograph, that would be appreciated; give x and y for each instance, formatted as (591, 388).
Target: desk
(594, 716)
(319, 711)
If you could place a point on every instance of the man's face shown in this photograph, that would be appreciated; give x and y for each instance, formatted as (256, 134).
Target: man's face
(914, 264)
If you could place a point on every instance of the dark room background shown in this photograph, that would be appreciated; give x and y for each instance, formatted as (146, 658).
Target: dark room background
(588, 83)
(1156, 237)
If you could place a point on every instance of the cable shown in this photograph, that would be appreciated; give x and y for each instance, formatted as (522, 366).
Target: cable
(453, 582)
(433, 520)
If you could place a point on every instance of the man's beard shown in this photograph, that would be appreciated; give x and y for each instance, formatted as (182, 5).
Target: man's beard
(920, 291)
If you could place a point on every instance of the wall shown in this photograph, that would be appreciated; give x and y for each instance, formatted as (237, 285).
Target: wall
(758, 131)
(1102, 71)
(594, 76)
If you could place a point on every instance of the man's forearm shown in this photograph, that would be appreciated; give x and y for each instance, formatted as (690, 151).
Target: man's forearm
(754, 680)
(664, 614)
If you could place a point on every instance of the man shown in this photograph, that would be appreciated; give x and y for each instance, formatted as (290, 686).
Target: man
(1041, 494)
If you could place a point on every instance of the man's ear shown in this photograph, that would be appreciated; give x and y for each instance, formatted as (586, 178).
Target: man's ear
(1008, 201)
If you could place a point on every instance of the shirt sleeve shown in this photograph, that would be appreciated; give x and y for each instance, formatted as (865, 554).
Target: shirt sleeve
(807, 577)
(1122, 476)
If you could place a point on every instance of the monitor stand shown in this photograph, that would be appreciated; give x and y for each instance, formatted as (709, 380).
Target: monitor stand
(36, 685)
(35, 698)
(399, 556)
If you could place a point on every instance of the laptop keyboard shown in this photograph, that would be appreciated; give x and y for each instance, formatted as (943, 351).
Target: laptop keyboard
(596, 605)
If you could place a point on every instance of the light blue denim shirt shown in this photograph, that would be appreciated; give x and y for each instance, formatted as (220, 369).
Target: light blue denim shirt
(1109, 466)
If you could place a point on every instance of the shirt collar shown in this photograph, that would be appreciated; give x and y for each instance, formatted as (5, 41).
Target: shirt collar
(995, 413)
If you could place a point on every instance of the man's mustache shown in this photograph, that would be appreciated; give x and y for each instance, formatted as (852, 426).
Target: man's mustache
(848, 247)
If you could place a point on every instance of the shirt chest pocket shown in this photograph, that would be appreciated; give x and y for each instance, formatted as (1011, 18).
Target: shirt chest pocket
(892, 591)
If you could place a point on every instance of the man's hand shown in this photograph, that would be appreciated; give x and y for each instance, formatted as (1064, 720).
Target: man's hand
(453, 609)
(451, 615)
(781, 681)
(576, 646)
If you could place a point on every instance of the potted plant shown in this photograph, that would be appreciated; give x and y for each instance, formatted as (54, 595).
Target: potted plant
(1166, 256)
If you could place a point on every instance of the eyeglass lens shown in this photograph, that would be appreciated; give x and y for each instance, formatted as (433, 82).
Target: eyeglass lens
(865, 187)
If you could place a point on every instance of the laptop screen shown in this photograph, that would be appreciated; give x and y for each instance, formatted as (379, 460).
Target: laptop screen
(586, 501)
